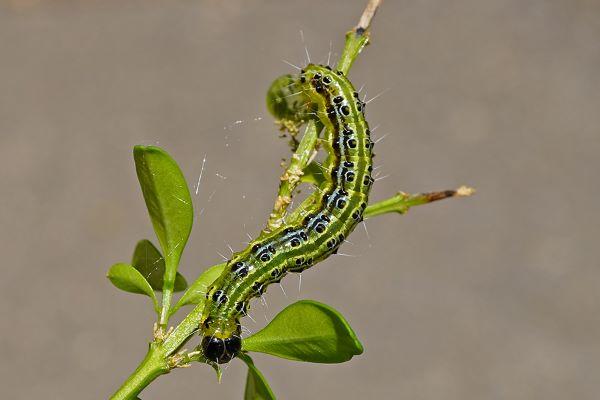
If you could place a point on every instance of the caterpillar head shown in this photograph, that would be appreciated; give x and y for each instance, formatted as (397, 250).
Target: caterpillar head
(221, 350)
(222, 345)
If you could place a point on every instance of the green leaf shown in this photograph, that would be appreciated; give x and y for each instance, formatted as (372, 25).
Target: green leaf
(129, 279)
(286, 100)
(197, 291)
(257, 387)
(313, 173)
(151, 264)
(169, 204)
(307, 331)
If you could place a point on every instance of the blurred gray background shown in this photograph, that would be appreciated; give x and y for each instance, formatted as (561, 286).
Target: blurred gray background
(492, 297)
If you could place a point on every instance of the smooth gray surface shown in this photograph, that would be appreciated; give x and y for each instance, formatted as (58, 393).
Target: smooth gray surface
(493, 297)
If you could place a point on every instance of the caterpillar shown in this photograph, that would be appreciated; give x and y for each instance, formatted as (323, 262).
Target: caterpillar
(336, 209)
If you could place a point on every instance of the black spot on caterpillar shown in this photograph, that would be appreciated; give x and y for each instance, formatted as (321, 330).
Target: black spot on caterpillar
(293, 248)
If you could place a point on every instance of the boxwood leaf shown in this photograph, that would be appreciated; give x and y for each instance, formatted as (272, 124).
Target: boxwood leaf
(151, 264)
(169, 204)
(257, 387)
(313, 173)
(129, 279)
(197, 291)
(307, 331)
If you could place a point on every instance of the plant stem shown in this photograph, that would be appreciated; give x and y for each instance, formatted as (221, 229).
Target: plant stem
(166, 305)
(402, 202)
(153, 365)
(291, 177)
(184, 331)
(358, 37)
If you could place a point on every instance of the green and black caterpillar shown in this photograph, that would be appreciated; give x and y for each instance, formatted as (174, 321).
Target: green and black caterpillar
(336, 208)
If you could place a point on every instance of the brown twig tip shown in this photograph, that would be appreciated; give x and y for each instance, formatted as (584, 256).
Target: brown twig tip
(365, 19)
(465, 191)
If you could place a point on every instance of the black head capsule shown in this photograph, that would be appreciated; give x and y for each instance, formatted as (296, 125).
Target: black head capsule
(338, 99)
(303, 235)
(221, 350)
(326, 80)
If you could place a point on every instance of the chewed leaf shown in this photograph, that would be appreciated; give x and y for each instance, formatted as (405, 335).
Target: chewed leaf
(307, 331)
(314, 173)
(285, 100)
(257, 387)
(197, 291)
(129, 279)
(169, 204)
(151, 264)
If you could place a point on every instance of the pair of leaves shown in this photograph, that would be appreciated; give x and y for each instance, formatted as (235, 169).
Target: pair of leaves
(169, 205)
(304, 331)
(146, 272)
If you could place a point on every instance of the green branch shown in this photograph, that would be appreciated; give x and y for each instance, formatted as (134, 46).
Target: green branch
(154, 365)
(291, 177)
(402, 202)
